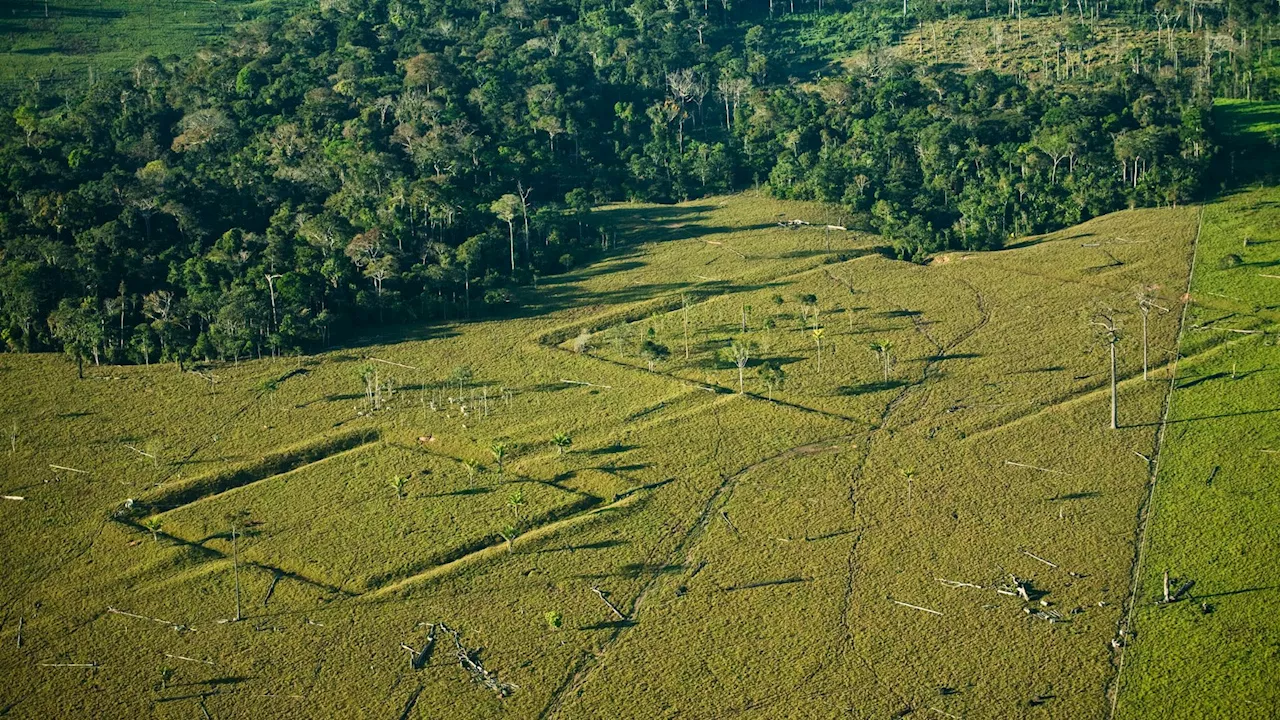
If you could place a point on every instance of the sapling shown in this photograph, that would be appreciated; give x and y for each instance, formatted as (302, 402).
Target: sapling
(774, 377)
(515, 501)
(908, 474)
(153, 524)
(473, 469)
(397, 483)
(499, 453)
(562, 441)
(554, 619)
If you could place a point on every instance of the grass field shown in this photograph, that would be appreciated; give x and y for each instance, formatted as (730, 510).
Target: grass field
(845, 544)
(65, 40)
(1215, 512)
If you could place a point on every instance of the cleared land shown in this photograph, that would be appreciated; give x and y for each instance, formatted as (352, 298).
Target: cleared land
(848, 547)
(67, 40)
(1214, 520)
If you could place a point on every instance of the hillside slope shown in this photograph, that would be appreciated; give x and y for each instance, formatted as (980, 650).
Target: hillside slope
(852, 540)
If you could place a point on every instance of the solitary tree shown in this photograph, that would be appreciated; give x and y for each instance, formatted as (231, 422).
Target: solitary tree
(153, 525)
(774, 377)
(885, 351)
(741, 353)
(238, 520)
(506, 208)
(1105, 322)
(562, 441)
(817, 338)
(908, 474)
(653, 352)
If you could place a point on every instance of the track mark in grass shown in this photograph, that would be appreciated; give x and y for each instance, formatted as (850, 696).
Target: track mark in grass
(930, 366)
(581, 671)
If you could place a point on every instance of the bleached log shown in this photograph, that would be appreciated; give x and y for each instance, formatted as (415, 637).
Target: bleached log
(68, 469)
(914, 607)
(588, 384)
(605, 600)
(183, 657)
(1034, 467)
(175, 626)
(957, 583)
(1037, 557)
(388, 362)
(14, 497)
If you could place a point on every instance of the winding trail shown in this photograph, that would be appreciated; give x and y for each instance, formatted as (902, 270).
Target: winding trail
(856, 478)
(683, 551)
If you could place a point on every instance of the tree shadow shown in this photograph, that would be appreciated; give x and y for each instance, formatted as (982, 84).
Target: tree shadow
(867, 388)
(599, 545)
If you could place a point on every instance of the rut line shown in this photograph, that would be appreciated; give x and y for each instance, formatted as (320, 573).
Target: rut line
(588, 663)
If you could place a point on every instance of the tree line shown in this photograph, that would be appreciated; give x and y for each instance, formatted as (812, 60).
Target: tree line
(377, 161)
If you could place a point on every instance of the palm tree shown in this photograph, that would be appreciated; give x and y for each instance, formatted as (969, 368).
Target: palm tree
(153, 525)
(473, 468)
(562, 441)
(908, 474)
(397, 483)
(817, 337)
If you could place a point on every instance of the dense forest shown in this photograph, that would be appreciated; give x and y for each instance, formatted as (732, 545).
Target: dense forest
(379, 161)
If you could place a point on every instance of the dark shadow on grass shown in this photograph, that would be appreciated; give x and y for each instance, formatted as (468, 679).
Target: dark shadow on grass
(607, 450)
(457, 493)
(1242, 413)
(868, 388)
(632, 571)
(609, 625)
(1203, 379)
(767, 583)
(1083, 495)
(1241, 591)
(601, 545)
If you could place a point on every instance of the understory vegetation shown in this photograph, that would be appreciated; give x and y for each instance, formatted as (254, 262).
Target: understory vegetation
(320, 169)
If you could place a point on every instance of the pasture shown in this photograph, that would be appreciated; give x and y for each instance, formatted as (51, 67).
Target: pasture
(924, 512)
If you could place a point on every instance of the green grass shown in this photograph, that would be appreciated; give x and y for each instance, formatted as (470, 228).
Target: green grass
(1247, 122)
(755, 546)
(1215, 513)
(77, 37)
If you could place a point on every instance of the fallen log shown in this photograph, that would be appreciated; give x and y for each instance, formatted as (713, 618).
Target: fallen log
(605, 600)
(466, 658)
(914, 607)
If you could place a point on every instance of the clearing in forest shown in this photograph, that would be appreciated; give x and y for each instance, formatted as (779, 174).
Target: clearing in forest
(793, 476)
